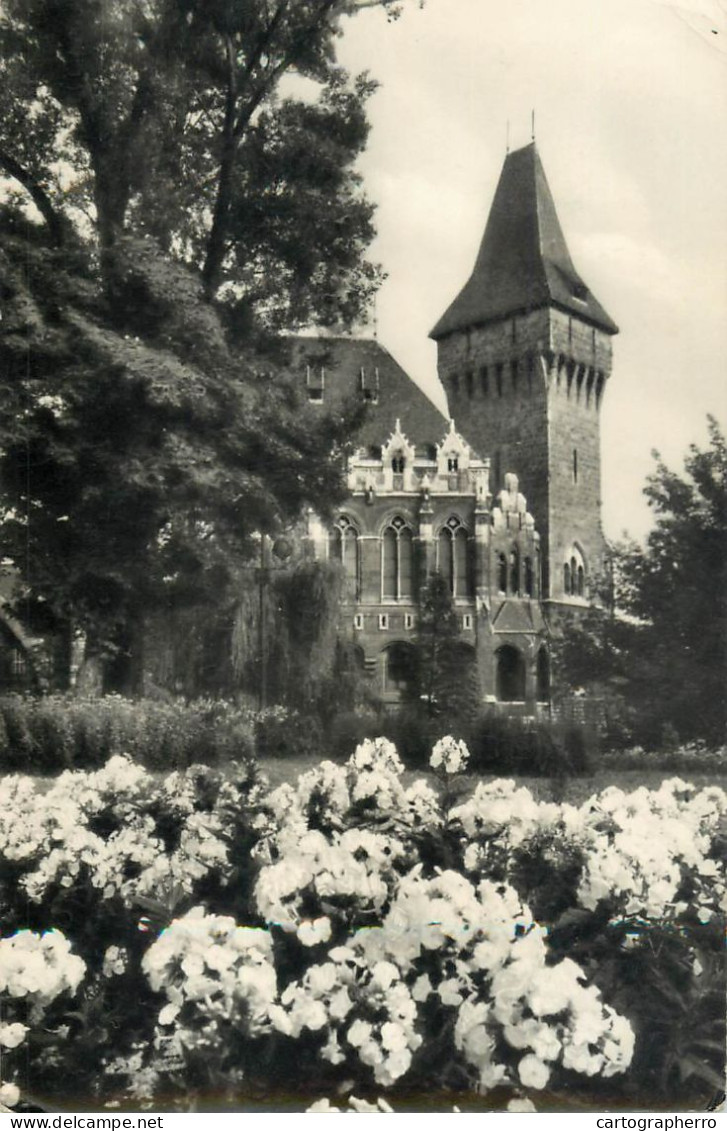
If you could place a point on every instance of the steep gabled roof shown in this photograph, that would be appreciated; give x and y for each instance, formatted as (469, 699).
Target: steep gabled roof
(353, 365)
(523, 262)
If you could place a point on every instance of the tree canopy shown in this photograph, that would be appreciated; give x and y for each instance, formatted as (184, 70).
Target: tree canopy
(167, 118)
(185, 205)
(662, 648)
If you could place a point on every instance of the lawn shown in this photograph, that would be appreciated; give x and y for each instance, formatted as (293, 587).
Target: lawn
(574, 790)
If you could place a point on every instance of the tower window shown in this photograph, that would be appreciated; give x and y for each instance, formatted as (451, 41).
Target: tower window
(514, 373)
(315, 395)
(498, 380)
(484, 381)
(570, 330)
(470, 383)
(575, 465)
(454, 384)
(574, 574)
(513, 330)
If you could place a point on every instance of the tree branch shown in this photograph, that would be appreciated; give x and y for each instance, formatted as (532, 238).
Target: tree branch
(39, 196)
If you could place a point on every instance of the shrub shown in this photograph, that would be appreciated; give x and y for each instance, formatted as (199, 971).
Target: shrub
(529, 747)
(280, 733)
(48, 735)
(349, 728)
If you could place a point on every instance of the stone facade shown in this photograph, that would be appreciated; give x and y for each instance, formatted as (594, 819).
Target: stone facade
(528, 391)
(503, 499)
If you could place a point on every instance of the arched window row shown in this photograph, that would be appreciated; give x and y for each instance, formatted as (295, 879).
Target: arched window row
(574, 574)
(515, 577)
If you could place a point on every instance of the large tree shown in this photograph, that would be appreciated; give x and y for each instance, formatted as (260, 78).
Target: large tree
(137, 466)
(182, 202)
(166, 117)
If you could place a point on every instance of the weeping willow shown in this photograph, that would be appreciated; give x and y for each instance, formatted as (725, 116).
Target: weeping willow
(301, 644)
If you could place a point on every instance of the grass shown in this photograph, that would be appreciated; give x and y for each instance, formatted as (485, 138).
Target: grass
(575, 790)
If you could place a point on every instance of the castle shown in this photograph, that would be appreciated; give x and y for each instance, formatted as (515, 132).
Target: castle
(503, 498)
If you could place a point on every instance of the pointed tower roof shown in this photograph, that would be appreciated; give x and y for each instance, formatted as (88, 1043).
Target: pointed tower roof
(523, 262)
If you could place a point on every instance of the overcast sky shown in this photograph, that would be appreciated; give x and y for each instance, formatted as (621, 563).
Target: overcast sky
(631, 124)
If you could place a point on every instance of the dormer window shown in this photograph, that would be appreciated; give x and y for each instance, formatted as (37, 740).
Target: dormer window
(580, 291)
(369, 383)
(452, 464)
(315, 380)
(397, 464)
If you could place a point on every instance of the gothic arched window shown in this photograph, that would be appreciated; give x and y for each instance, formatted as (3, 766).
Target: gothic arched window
(344, 547)
(514, 571)
(453, 558)
(502, 573)
(510, 675)
(574, 573)
(529, 578)
(397, 561)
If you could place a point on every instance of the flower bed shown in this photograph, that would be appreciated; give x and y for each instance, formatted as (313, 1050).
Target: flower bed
(197, 938)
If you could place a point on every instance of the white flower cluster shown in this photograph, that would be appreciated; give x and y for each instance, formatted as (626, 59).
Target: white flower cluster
(211, 971)
(641, 844)
(492, 969)
(636, 846)
(449, 756)
(34, 970)
(102, 828)
(352, 871)
(365, 1009)
(38, 967)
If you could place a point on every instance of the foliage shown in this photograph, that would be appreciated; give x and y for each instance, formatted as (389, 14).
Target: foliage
(55, 733)
(185, 207)
(310, 662)
(446, 679)
(528, 746)
(280, 733)
(658, 658)
(683, 758)
(497, 744)
(140, 451)
(169, 121)
(348, 934)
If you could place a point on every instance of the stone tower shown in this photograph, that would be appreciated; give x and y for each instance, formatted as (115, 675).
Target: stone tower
(524, 353)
